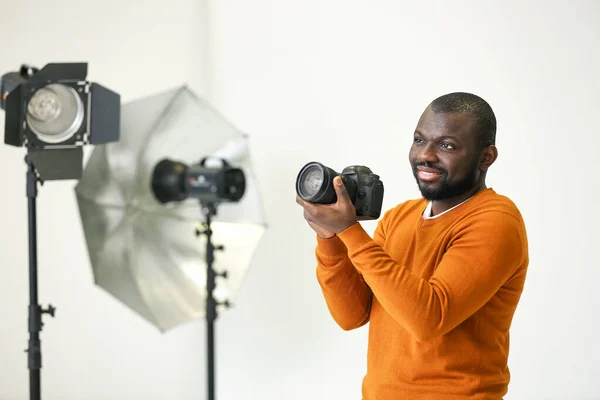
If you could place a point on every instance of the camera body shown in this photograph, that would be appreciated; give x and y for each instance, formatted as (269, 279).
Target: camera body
(365, 189)
(315, 184)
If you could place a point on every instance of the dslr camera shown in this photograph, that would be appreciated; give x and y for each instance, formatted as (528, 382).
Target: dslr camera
(315, 185)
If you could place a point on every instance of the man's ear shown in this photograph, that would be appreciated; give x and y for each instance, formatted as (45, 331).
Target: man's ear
(488, 156)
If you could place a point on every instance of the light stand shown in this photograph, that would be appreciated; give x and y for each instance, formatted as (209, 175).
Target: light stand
(161, 247)
(34, 360)
(52, 112)
(210, 209)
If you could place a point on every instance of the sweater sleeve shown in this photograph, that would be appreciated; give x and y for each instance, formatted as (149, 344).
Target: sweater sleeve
(484, 254)
(347, 296)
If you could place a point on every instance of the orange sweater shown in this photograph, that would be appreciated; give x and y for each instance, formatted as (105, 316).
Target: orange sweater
(440, 295)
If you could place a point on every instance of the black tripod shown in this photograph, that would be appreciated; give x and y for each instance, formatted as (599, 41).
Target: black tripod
(34, 360)
(210, 210)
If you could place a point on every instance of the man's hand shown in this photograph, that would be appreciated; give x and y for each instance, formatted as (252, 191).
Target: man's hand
(330, 219)
(323, 233)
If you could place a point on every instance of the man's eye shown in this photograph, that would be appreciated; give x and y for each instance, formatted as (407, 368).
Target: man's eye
(448, 146)
(418, 140)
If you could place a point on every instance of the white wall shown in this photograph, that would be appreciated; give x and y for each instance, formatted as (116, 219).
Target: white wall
(341, 83)
(345, 82)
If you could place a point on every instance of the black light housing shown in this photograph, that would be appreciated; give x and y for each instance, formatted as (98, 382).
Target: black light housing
(174, 181)
(53, 112)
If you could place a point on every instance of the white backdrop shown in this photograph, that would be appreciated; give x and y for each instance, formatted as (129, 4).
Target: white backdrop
(342, 83)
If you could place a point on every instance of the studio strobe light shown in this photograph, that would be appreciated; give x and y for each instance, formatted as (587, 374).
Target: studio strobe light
(175, 181)
(53, 112)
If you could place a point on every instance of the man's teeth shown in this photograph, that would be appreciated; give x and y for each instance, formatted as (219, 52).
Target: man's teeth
(429, 173)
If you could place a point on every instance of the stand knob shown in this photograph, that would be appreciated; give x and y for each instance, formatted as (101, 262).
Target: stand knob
(225, 303)
(223, 274)
(50, 310)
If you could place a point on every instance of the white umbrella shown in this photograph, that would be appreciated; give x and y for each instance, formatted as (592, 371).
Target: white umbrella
(145, 253)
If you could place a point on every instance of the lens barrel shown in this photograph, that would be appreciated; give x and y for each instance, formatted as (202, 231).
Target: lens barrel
(314, 183)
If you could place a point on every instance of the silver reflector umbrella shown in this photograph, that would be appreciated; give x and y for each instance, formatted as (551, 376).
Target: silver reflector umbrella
(144, 252)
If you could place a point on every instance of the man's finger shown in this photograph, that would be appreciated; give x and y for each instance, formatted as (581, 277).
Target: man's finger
(340, 189)
(309, 217)
(305, 204)
(302, 202)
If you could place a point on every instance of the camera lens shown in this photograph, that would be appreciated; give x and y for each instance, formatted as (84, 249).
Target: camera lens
(311, 181)
(315, 183)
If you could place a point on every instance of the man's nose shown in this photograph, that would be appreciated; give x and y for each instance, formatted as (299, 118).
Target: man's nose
(428, 154)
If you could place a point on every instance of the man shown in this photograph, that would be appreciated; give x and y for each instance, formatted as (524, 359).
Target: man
(440, 280)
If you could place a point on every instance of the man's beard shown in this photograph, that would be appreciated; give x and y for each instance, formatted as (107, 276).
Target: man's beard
(446, 189)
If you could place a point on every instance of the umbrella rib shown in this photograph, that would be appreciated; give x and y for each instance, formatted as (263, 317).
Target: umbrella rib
(134, 272)
(161, 116)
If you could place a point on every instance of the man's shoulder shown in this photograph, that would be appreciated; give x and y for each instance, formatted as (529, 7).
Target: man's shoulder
(490, 201)
(496, 219)
(481, 205)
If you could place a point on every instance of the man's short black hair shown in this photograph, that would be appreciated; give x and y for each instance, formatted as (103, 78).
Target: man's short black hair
(459, 102)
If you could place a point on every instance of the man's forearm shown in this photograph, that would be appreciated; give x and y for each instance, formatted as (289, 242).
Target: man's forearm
(347, 295)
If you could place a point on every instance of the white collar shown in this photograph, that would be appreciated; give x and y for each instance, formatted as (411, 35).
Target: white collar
(427, 212)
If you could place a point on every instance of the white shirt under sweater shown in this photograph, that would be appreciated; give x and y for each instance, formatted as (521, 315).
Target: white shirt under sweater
(427, 212)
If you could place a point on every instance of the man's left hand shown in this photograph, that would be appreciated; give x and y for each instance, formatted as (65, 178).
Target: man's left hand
(335, 217)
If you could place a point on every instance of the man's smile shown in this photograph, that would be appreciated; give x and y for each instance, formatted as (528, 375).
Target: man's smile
(428, 174)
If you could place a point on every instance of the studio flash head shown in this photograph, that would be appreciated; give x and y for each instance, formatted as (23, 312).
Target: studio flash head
(54, 111)
(174, 181)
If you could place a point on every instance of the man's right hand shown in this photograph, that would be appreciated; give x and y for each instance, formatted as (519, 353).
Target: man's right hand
(323, 233)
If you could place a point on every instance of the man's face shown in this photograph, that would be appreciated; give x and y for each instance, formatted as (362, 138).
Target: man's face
(444, 155)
